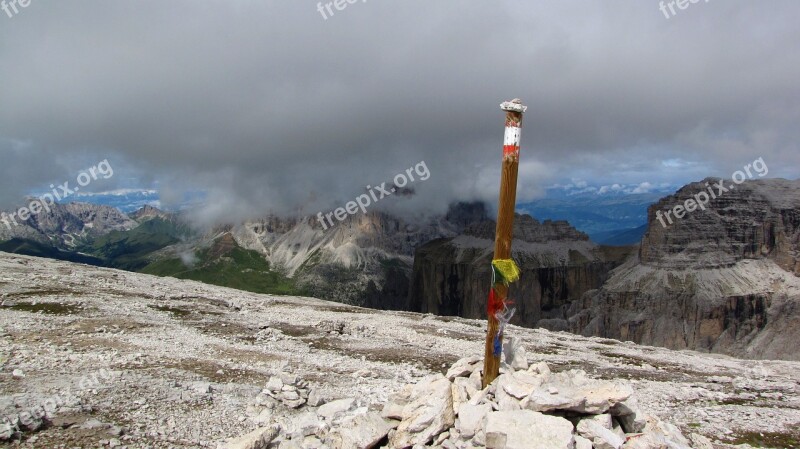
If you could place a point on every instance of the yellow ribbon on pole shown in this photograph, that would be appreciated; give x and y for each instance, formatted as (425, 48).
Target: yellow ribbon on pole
(507, 269)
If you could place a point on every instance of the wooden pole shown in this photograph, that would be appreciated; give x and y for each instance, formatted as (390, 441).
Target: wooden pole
(505, 226)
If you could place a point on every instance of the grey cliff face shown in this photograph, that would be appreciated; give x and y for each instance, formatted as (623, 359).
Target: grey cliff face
(722, 280)
(753, 220)
(66, 223)
(364, 260)
(559, 264)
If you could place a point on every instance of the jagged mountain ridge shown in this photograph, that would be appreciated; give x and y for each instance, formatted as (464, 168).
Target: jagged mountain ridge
(726, 279)
(148, 212)
(355, 260)
(714, 280)
(723, 280)
(67, 225)
(757, 219)
(452, 276)
(365, 259)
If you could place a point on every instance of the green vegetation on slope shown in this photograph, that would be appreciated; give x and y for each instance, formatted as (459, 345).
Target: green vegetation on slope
(225, 263)
(129, 250)
(37, 249)
(232, 267)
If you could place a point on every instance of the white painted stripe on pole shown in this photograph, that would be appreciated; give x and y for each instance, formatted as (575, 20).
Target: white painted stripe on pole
(513, 136)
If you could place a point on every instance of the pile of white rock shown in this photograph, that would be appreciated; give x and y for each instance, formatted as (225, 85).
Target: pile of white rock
(524, 408)
(290, 390)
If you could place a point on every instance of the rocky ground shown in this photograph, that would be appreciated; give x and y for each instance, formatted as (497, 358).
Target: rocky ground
(119, 359)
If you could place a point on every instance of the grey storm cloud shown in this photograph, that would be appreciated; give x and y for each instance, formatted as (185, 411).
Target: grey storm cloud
(268, 106)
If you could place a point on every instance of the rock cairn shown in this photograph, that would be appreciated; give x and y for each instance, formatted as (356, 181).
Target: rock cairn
(526, 407)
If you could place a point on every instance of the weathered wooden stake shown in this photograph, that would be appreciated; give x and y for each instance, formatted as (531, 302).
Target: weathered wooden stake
(505, 225)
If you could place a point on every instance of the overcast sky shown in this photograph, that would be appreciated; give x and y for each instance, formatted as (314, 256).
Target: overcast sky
(268, 106)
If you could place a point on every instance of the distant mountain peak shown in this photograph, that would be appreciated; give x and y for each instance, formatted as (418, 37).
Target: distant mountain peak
(147, 212)
(223, 246)
(65, 225)
(752, 220)
(463, 214)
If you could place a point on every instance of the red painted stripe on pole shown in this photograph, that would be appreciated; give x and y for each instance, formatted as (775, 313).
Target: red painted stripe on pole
(510, 150)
